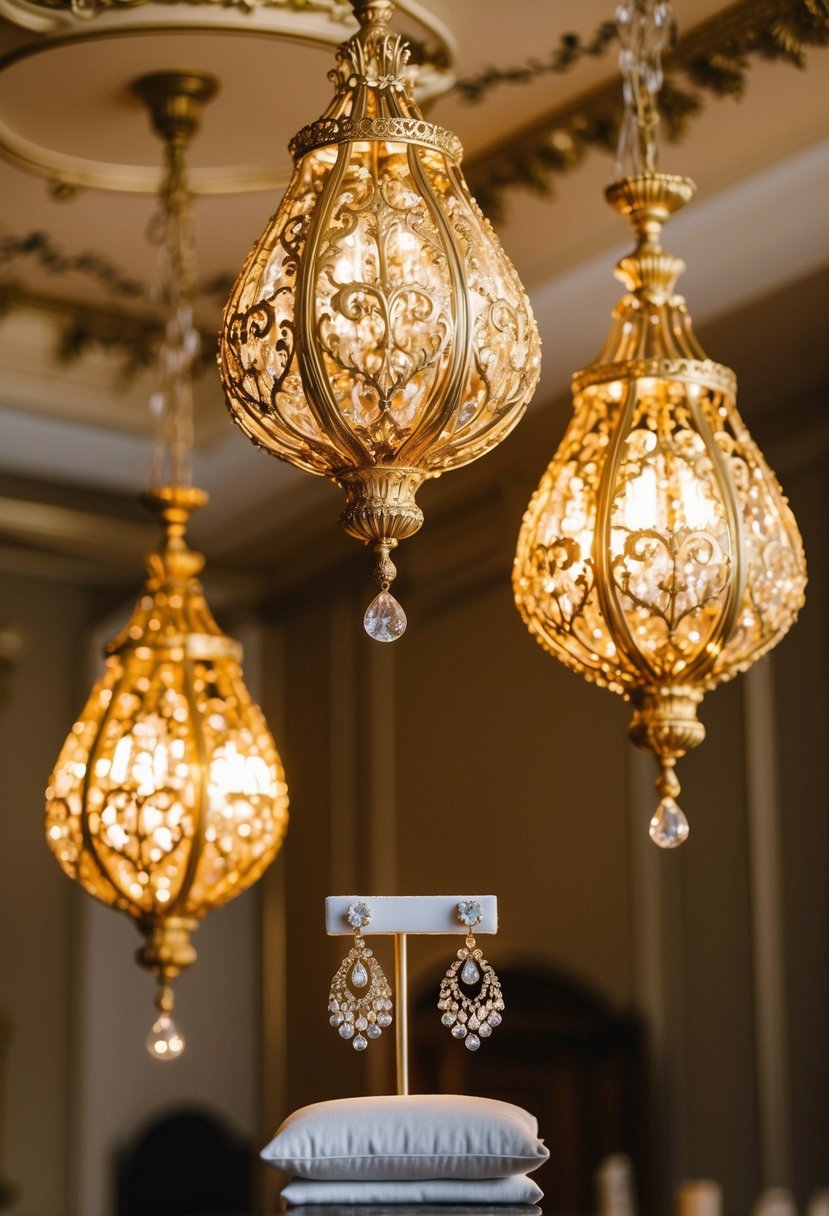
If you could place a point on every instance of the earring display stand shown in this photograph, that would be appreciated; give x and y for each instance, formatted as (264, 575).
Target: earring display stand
(399, 916)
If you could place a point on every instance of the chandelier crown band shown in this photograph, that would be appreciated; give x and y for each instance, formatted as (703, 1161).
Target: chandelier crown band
(715, 376)
(396, 129)
(372, 101)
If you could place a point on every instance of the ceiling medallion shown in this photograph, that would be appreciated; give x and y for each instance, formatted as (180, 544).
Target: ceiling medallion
(378, 335)
(658, 556)
(168, 797)
(322, 22)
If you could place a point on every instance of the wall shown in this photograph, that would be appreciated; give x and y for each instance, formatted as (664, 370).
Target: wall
(37, 904)
(463, 757)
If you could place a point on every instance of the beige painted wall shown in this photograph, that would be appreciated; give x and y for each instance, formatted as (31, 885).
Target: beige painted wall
(464, 757)
(79, 1081)
(461, 756)
(37, 903)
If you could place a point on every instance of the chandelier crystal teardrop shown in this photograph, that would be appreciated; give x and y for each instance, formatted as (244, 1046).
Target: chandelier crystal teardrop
(658, 556)
(168, 797)
(378, 334)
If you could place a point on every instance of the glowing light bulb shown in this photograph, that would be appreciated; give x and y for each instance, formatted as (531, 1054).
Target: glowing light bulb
(640, 505)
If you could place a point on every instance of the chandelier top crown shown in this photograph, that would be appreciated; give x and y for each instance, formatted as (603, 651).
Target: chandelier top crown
(172, 614)
(652, 332)
(175, 562)
(373, 99)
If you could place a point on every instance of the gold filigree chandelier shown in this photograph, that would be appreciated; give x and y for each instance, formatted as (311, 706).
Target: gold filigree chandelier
(168, 797)
(378, 335)
(658, 556)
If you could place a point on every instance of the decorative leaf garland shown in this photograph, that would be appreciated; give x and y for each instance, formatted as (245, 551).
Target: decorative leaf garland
(41, 247)
(81, 328)
(570, 51)
(714, 57)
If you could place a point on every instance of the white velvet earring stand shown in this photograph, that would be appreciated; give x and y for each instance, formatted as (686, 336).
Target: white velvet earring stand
(397, 916)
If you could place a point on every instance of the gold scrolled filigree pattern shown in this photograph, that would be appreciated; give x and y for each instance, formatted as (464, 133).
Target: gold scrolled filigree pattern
(658, 556)
(377, 325)
(168, 797)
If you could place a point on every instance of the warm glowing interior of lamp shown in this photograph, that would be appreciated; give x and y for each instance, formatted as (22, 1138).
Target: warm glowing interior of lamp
(658, 502)
(398, 252)
(670, 545)
(670, 538)
(161, 777)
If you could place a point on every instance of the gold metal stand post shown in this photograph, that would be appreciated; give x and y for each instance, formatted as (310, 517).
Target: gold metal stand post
(401, 987)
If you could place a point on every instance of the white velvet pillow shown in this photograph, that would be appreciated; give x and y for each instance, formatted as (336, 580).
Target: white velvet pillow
(406, 1138)
(461, 1191)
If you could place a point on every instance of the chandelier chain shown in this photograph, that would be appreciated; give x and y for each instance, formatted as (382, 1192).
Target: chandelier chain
(645, 28)
(171, 230)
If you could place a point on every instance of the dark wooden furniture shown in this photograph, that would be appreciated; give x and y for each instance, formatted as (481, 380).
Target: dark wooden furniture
(565, 1055)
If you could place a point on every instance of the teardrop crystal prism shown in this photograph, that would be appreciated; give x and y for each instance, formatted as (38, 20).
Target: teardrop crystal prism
(359, 976)
(385, 620)
(470, 973)
(164, 1041)
(669, 827)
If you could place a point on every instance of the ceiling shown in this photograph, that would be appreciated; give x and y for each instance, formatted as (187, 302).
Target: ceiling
(75, 432)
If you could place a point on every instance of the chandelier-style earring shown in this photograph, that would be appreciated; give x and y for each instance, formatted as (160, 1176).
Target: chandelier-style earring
(360, 1017)
(470, 1017)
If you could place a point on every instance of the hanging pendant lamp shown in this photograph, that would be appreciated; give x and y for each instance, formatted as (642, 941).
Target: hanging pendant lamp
(168, 797)
(377, 334)
(658, 556)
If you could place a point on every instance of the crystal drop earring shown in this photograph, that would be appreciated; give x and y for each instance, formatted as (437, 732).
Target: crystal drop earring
(470, 1016)
(359, 1016)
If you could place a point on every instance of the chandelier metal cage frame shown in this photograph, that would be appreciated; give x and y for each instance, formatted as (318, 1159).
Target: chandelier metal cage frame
(658, 556)
(168, 797)
(377, 334)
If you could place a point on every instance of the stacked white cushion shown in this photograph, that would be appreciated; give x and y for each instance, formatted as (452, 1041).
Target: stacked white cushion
(461, 1191)
(422, 1148)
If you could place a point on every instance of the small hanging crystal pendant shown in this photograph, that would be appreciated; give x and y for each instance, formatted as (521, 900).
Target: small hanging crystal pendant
(669, 827)
(164, 1042)
(385, 620)
(470, 973)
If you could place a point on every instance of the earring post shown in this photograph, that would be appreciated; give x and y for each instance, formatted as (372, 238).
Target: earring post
(401, 986)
